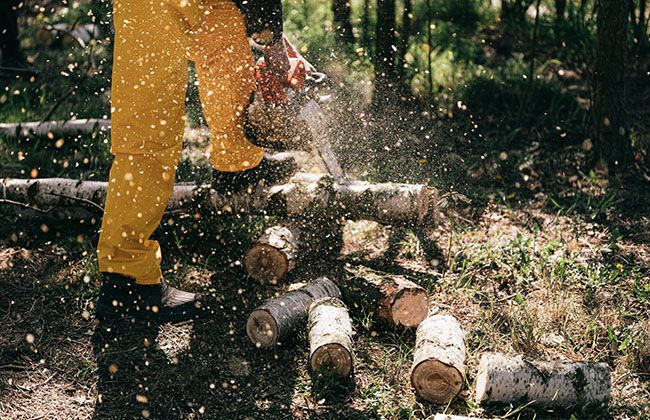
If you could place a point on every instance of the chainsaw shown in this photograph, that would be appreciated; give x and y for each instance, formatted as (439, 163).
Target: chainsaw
(286, 114)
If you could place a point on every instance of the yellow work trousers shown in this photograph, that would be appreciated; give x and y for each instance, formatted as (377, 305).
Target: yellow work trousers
(154, 39)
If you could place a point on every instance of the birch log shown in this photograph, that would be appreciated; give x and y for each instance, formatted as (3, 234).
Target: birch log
(330, 337)
(302, 194)
(438, 370)
(395, 299)
(62, 128)
(505, 378)
(274, 320)
(273, 255)
(66, 34)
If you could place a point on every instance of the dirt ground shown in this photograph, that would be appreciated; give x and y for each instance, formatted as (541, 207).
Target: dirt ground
(553, 281)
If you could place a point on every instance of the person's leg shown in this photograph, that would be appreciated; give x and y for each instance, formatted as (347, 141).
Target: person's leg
(147, 124)
(224, 64)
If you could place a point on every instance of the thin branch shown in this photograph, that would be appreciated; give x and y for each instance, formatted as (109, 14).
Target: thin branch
(80, 200)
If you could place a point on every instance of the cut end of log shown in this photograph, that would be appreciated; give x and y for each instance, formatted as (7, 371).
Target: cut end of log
(332, 357)
(266, 263)
(410, 307)
(436, 381)
(262, 328)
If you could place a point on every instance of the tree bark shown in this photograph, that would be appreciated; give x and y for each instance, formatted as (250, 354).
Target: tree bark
(438, 370)
(271, 322)
(612, 139)
(504, 378)
(273, 255)
(330, 338)
(394, 299)
(304, 194)
(342, 11)
(385, 74)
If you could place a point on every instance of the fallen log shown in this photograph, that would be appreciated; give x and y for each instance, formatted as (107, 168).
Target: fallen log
(273, 254)
(302, 194)
(505, 378)
(438, 370)
(275, 319)
(67, 34)
(69, 128)
(393, 298)
(330, 337)
(62, 128)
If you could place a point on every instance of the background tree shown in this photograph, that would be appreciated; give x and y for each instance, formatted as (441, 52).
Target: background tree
(405, 34)
(513, 12)
(612, 139)
(385, 74)
(342, 12)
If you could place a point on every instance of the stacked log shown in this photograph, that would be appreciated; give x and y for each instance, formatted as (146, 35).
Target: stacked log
(330, 338)
(393, 298)
(302, 194)
(505, 378)
(273, 254)
(438, 371)
(275, 319)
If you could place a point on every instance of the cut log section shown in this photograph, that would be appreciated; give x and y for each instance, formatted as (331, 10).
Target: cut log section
(274, 320)
(395, 299)
(330, 338)
(273, 255)
(438, 370)
(505, 378)
(302, 194)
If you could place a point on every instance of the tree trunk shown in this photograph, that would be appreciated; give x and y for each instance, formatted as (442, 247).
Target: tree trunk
(330, 338)
(366, 33)
(273, 255)
(342, 11)
(393, 298)
(405, 35)
(438, 370)
(612, 139)
(303, 194)
(513, 12)
(504, 378)
(560, 9)
(274, 320)
(9, 46)
(385, 74)
(59, 34)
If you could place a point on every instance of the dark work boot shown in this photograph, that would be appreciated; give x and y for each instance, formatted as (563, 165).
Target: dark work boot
(121, 297)
(272, 170)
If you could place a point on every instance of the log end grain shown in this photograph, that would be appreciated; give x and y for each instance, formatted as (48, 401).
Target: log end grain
(262, 328)
(436, 381)
(266, 263)
(410, 307)
(332, 357)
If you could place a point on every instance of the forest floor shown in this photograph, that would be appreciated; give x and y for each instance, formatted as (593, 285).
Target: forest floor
(562, 274)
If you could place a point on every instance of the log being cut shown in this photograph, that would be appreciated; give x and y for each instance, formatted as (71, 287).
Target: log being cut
(395, 299)
(273, 254)
(506, 378)
(438, 371)
(330, 338)
(304, 193)
(275, 319)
